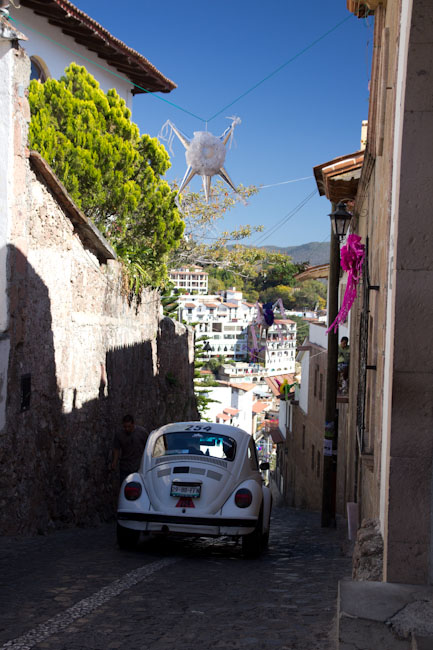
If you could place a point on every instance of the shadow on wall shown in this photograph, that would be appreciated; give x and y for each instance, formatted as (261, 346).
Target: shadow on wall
(58, 463)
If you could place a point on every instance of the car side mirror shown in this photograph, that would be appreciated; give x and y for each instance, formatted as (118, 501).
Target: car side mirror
(264, 466)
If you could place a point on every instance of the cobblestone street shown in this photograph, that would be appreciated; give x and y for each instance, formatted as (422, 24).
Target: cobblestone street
(75, 590)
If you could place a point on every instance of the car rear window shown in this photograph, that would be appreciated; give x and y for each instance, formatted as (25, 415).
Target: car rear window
(194, 442)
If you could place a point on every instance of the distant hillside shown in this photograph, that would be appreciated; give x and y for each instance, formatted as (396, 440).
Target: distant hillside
(314, 252)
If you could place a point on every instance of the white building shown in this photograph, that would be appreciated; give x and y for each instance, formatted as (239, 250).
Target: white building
(223, 319)
(191, 279)
(276, 346)
(58, 33)
(240, 411)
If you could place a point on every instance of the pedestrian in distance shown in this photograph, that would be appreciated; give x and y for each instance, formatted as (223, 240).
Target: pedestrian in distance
(128, 447)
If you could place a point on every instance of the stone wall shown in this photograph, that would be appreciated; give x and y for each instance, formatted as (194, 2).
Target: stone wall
(81, 355)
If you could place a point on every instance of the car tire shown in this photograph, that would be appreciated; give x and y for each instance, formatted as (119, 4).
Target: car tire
(127, 538)
(252, 544)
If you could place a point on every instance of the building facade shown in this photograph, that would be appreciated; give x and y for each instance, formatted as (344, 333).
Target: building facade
(274, 347)
(191, 280)
(222, 319)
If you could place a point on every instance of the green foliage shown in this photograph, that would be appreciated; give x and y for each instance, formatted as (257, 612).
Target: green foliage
(201, 394)
(310, 294)
(286, 293)
(280, 271)
(200, 221)
(112, 173)
(169, 301)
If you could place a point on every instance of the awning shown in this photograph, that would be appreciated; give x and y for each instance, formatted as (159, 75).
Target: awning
(276, 435)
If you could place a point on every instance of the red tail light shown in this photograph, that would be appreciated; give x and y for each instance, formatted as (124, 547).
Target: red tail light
(132, 491)
(243, 498)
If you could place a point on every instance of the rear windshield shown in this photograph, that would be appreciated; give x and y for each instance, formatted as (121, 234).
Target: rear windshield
(193, 442)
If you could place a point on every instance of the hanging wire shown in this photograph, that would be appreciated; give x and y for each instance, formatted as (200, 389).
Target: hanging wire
(262, 238)
(283, 65)
(180, 108)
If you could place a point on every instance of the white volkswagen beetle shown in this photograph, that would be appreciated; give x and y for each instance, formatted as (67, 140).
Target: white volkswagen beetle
(197, 478)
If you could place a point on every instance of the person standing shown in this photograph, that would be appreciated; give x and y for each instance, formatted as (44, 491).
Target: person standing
(128, 447)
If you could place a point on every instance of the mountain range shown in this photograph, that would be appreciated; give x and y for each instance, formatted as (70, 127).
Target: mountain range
(314, 252)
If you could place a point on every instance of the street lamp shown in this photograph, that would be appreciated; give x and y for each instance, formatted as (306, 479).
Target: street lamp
(340, 219)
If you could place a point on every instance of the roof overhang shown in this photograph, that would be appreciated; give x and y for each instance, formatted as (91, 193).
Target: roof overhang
(320, 271)
(87, 32)
(364, 8)
(338, 179)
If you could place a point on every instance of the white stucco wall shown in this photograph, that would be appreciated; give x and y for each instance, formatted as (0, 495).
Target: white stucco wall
(6, 197)
(301, 393)
(58, 55)
(245, 406)
(222, 397)
(317, 335)
(6, 168)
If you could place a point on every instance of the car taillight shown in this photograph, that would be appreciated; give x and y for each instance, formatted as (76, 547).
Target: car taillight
(243, 498)
(132, 491)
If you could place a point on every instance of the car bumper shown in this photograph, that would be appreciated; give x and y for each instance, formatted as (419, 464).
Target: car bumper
(192, 525)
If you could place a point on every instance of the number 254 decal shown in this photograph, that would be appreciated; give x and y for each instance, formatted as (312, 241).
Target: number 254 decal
(198, 427)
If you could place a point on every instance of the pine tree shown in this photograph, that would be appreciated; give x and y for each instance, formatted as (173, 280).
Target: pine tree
(113, 174)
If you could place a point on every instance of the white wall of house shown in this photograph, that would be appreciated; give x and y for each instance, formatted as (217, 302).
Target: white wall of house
(301, 392)
(222, 397)
(57, 51)
(285, 417)
(7, 54)
(243, 400)
(317, 335)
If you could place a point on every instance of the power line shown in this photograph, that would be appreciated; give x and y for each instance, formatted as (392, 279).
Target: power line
(262, 238)
(184, 110)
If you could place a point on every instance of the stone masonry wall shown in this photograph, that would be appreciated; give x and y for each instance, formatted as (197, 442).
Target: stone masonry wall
(81, 356)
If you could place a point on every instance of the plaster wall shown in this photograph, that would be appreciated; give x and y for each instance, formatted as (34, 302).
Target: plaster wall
(302, 396)
(6, 161)
(57, 50)
(7, 55)
(302, 465)
(222, 397)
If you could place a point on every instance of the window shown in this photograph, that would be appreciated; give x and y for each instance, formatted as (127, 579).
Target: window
(38, 70)
(313, 456)
(321, 387)
(195, 442)
(316, 376)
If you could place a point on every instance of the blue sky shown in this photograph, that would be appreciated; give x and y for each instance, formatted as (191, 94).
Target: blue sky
(309, 112)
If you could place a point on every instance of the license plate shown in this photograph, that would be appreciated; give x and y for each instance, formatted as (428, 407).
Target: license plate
(192, 490)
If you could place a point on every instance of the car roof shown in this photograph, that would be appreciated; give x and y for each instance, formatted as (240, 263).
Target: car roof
(221, 429)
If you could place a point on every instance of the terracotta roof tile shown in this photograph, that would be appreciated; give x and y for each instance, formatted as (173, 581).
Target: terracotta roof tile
(275, 382)
(259, 407)
(231, 411)
(87, 32)
(242, 386)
